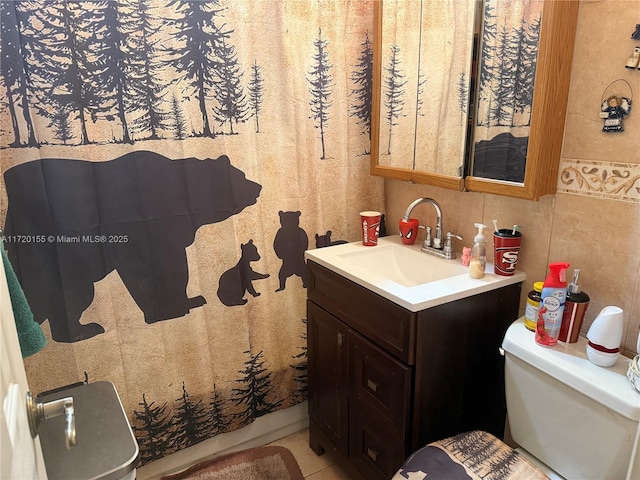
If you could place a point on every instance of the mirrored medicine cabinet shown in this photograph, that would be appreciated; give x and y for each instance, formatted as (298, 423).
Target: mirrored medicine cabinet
(472, 94)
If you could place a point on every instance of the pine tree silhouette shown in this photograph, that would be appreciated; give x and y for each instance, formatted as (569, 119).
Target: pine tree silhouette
(179, 127)
(508, 42)
(195, 50)
(487, 59)
(153, 434)
(463, 96)
(84, 92)
(362, 77)
(144, 85)
(501, 464)
(256, 89)
(49, 61)
(253, 396)
(393, 91)
(105, 67)
(218, 420)
(232, 102)
(190, 421)
(60, 123)
(320, 81)
(13, 73)
(300, 368)
(422, 81)
(525, 76)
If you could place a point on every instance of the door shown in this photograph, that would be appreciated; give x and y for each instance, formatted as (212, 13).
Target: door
(328, 374)
(21, 455)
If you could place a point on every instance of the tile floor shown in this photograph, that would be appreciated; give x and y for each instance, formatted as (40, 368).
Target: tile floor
(313, 467)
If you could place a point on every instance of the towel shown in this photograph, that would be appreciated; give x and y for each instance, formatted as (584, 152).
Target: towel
(30, 335)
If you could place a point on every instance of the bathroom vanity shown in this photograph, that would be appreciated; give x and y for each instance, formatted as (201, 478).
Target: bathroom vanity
(389, 373)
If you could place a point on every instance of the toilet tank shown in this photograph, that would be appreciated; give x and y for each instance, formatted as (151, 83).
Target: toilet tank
(576, 417)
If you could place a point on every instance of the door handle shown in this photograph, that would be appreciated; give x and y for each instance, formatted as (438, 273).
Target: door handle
(37, 412)
(372, 454)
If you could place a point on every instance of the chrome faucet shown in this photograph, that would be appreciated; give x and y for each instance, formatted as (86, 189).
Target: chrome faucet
(434, 247)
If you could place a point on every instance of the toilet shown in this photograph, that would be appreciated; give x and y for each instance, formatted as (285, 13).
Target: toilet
(573, 419)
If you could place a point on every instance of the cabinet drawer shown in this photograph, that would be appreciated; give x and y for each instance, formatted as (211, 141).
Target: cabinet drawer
(385, 323)
(374, 448)
(379, 380)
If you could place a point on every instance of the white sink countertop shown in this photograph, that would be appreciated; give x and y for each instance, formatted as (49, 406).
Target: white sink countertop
(405, 275)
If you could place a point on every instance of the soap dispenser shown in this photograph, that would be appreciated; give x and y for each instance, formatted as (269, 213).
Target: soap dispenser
(478, 253)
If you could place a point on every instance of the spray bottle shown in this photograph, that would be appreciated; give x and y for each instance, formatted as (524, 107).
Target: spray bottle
(552, 299)
(478, 253)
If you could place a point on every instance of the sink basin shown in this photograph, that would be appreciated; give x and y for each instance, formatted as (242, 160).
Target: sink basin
(406, 266)
(405, 275)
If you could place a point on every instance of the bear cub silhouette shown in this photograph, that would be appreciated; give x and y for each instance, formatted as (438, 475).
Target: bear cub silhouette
(325, 240)
(238, 279)
(290, 244)
(135, 214)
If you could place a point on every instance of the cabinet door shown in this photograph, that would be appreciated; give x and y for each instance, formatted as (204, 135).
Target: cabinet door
(520, 115)
(459, 378)
(328, 374)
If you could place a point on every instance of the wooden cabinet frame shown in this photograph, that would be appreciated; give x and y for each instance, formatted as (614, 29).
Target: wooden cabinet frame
(553, 77)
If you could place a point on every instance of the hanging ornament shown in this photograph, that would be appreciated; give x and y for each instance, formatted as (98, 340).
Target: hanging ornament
(634, 59)
(615, 106)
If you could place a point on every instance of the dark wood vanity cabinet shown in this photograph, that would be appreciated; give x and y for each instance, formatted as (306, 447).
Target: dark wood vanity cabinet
(384, 381)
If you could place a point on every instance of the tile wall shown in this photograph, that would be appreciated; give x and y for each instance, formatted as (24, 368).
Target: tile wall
(593, 221)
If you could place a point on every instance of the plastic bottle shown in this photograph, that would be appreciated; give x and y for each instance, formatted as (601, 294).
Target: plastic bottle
(478, 253)
(552, 299)
(533, 304)
(574, 309)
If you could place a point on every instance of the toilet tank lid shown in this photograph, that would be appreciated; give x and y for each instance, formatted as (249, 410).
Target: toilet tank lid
(568, 363)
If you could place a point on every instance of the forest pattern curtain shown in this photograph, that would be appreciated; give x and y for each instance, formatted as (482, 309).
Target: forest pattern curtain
(165, 165)
(509, 55)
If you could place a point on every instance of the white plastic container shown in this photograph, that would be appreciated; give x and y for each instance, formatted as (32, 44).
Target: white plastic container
(605, 336)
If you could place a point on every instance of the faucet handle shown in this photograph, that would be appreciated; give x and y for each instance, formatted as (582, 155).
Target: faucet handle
(427, 237)
(448, 245)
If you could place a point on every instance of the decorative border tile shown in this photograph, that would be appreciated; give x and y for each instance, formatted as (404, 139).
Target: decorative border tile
(614, 181)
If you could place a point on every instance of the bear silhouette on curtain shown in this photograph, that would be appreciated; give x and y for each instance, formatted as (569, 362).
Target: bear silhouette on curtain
(72, 222)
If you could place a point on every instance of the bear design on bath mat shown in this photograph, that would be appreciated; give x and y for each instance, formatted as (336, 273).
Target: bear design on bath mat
(325, 240)
(239, 279)
(135, 214)
(290, 244)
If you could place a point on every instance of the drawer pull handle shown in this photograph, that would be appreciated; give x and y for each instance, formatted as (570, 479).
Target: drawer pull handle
(372, 385)
(372, 454)
(340, 339)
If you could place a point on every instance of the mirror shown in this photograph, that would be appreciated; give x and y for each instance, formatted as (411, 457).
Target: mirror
(422, 82)
(508, 55)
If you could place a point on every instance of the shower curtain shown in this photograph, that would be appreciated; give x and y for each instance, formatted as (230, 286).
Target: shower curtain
(165, 164)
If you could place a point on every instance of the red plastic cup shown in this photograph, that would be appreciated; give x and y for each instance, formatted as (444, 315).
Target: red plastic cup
(370, 227)
(506, 245)
(409, 230)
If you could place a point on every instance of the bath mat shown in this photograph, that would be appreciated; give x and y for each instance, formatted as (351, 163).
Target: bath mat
(262, 463)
